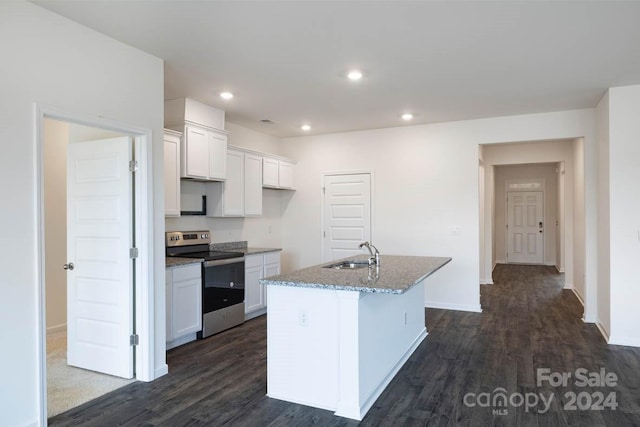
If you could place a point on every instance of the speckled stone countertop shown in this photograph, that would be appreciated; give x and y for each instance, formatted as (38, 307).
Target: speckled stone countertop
(226, 246)
(395, 275)
(241, 246)
(172, 261)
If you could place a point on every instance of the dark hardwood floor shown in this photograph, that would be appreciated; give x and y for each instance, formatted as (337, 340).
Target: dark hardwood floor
(528, 322)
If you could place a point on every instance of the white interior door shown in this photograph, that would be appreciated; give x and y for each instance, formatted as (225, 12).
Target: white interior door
(525, 227)
(347, 214)
(99, 237)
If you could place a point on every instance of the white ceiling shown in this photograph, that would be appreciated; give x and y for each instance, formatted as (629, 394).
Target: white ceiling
(443, 61)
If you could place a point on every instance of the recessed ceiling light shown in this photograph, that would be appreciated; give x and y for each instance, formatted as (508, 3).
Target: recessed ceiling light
(305, 128)
(226, 95)
(354, 75)
(407, 116)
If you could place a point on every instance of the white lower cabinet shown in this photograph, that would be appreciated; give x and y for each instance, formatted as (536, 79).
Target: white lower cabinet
(184, 304)
(258, 267)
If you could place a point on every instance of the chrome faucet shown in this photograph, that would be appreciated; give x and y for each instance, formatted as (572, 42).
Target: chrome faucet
(375, 257)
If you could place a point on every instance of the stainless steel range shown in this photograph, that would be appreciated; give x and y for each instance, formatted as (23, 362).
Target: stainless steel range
(222, 279)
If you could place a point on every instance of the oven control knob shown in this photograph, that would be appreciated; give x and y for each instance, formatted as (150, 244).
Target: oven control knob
(231, 285)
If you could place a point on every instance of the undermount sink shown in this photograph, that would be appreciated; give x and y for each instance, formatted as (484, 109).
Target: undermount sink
(348, 265)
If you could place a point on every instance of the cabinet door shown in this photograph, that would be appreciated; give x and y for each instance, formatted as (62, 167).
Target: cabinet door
(271, 268)
(252, 185)
(234, 185)
(187, 301)
(253, 295)
(269, 172)
(217, 156)
(196, 153)
(168, 305)
(171, 175)
(285, 175)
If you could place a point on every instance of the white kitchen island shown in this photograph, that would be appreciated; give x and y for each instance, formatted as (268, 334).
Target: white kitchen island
(336, 338)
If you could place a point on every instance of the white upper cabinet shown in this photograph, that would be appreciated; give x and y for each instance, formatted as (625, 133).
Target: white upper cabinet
(217, 155)
(204, 141)
(285, 175)
(195, 150)
(241, 193)
(252, 185)
(204, 154)
(171, 173)
(277, 174)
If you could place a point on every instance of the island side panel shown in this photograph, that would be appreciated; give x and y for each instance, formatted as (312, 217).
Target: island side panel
(302, 346)
(390, 328)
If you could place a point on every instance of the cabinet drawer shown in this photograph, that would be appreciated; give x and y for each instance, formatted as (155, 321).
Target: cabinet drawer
(253, 261)
(185, 273)
(272, 257)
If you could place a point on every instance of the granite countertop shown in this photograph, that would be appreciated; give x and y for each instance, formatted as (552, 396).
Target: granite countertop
(241, 246)
(226, 246)
(395, 275)
(172, 261)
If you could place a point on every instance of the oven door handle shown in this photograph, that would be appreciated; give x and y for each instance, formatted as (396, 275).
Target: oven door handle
(218, 262)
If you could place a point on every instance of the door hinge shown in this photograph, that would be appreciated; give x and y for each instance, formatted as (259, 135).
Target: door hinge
(133, 253)
(324, 234)
(324, 190)
(133, 165)
(134, 339)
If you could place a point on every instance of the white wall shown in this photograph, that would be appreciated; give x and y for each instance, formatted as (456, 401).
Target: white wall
(52, 61)
(504, 174)
(426, 182)
(604, 251)
(624, 176)
(580, 233)
(253, 140)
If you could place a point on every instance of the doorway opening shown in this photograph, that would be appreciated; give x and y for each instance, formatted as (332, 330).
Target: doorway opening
(70, 383)
(55, 132)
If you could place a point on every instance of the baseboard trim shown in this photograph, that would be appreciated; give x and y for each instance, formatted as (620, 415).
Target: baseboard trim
(603, 332)
(255, 313)
(576, 294)
(57, 328)
(626, 341)
(161, 371)
(456, 307)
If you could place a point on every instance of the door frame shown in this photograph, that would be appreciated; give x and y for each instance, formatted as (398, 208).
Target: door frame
(143, 235)
(323, 175)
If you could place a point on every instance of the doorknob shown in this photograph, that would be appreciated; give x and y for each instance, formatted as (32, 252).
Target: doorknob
(68, 266)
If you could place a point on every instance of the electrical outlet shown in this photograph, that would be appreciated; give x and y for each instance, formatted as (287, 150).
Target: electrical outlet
(303, 318)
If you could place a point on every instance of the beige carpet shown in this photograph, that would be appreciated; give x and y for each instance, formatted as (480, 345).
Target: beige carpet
(68, 387)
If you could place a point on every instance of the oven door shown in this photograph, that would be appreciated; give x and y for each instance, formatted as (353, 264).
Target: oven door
(222, 284)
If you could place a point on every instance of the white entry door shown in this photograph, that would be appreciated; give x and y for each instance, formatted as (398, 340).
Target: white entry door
(347, 215)
(525, 227)
(99, 237)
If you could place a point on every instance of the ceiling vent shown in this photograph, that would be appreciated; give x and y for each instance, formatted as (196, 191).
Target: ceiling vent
(268, 122)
